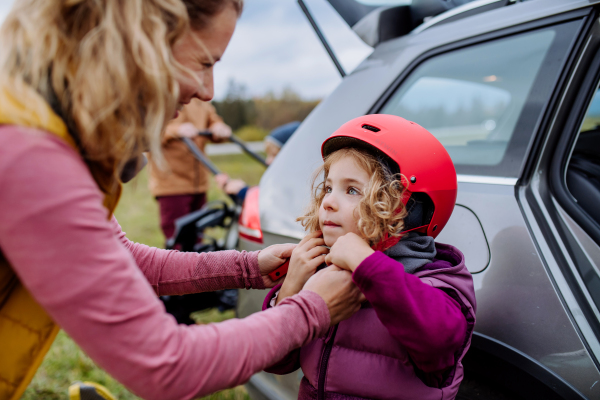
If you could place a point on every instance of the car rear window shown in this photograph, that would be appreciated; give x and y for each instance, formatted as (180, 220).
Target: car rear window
(482, 101)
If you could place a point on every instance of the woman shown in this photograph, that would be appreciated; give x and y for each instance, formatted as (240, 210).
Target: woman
(85, 86)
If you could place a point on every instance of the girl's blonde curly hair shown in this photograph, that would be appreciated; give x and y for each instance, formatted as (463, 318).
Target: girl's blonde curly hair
(379, 212)
(105, 66)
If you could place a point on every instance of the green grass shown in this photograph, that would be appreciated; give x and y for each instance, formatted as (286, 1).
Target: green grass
(138, 215)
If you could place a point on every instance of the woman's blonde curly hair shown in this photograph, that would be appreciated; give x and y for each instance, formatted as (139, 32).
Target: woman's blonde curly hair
(380, 210)
(105, 66)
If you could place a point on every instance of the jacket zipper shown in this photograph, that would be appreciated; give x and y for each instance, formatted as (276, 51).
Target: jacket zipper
(324, 363)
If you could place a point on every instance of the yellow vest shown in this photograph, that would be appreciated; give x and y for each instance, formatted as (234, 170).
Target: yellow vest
(26, 330)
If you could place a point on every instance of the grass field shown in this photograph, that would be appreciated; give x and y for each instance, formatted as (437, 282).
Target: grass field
(138, 215)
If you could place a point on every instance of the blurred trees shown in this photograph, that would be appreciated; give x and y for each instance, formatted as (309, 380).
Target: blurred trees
(264, 113)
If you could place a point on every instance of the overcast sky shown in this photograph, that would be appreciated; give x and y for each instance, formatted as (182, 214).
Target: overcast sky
(275, 47)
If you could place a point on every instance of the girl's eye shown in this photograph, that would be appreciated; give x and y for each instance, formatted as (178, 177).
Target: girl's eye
(353, 191)
(328, 189)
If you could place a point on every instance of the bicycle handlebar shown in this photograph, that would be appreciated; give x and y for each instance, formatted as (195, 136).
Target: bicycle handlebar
(200, 156)
(240, 143)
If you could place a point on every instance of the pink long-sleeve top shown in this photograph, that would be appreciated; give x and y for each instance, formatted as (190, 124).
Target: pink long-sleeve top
(102, 288)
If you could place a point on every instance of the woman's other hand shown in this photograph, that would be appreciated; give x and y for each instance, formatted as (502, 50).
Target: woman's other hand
(336, 288)
(229, 186)
(220, 131)
(271, 258)
(348, 252)
(233, 186)
(306, 257)
(221, 180)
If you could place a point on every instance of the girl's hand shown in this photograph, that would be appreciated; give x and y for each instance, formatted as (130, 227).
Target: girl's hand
(348, 252)
(306, 257)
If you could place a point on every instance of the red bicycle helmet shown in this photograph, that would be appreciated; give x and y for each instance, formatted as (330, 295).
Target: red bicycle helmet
(417, 154)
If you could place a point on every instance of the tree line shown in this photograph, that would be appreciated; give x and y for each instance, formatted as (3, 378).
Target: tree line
(238, 110)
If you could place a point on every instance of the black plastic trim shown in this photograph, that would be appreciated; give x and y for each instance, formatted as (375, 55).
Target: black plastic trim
(561, 158)
(514, 371)
(351, 11)
(574, 57)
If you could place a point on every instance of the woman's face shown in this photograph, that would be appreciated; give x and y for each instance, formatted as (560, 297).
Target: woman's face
(199, 50)
(344, 188)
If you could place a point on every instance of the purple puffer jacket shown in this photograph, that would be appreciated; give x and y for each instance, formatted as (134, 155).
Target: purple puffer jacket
(407, 342)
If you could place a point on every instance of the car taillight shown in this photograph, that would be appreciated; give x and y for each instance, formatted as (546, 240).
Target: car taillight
(249, 223)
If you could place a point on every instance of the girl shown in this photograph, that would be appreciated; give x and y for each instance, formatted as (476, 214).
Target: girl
(388, 189)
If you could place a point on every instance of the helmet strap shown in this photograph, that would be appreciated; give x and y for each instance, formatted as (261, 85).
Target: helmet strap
(386, 242)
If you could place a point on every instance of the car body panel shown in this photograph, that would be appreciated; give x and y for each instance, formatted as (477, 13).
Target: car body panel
(464, 231)
(525, 301)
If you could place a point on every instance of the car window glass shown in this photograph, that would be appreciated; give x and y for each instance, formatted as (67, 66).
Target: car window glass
(471, 99)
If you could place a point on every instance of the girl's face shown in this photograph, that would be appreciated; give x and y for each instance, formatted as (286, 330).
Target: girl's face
(199, 51)
(344, 188)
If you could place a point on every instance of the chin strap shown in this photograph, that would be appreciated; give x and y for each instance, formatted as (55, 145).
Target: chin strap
(388, 241)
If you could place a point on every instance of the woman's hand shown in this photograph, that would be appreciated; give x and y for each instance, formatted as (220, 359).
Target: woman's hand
(188, 130)
(306, 257)
(271, 258)
(348, 252)
(336, 288)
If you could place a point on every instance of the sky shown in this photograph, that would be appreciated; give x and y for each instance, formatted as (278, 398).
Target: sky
(274, 47)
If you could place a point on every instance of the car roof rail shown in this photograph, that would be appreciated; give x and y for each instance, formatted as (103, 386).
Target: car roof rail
(463, 11)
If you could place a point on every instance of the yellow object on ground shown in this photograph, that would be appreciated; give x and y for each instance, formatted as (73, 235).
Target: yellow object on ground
(89, 391)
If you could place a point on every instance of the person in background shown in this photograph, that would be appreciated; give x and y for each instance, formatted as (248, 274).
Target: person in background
(180, 188)
(273, 144)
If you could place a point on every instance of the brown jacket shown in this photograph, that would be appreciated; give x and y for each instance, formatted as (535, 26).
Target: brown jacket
(183, 174)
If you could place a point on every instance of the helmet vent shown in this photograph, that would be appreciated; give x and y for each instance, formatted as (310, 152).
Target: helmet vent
(371, 128)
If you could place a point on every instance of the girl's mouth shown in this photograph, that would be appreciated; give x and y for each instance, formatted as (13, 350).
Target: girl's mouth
(330, 224)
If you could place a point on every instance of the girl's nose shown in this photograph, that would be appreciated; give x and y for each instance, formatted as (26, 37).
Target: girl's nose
(329, 202)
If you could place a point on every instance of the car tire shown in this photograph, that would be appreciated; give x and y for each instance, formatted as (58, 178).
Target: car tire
(478, 388)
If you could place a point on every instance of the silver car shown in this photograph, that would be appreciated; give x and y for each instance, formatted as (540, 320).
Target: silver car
(512, 91)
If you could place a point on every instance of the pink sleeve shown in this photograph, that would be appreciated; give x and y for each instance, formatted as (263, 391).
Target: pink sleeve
(171, 272)
(55, 233)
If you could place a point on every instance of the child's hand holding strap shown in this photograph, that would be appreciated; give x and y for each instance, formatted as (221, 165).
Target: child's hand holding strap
(306, 257)
(348, 252)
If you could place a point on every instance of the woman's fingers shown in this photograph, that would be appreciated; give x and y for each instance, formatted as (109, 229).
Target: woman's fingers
(273, 256)
(284, 250)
